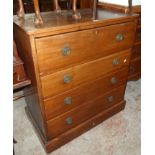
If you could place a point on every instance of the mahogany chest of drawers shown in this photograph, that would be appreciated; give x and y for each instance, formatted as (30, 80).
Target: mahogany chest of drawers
(78, 69)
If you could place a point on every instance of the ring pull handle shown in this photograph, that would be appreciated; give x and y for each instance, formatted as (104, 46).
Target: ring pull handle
(66, 51)
(68, 100)
(110, 99)
(113, 80)
(119, 37)
(69, 120)
(115, 62)
(67, 79)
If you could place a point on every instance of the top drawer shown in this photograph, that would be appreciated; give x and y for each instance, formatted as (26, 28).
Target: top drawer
(66, 50)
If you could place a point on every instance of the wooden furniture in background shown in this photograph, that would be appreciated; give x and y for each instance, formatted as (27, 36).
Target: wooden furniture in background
(28, 6)
(78, 71)
(86, 3)
(135, 65)
(114, 7)
(45, 5)
(19, 76)
(48, 5)
(37, 5)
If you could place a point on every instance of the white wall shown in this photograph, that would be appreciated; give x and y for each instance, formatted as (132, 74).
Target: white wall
(122, 2)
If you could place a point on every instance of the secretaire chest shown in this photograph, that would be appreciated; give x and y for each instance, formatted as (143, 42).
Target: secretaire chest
(78, 69)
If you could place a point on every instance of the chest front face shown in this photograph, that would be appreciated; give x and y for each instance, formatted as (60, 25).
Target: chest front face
(79, 72)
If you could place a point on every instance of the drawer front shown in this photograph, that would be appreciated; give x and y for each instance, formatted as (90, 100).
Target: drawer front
(75, 97)
(135, 67)
(136, 51)
(67, 79)
(67, 50)
(72, 118)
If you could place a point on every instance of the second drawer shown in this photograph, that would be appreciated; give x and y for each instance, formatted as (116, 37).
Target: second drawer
(64, 80)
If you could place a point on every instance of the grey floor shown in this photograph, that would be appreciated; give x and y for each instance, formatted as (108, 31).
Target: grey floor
(119, 135)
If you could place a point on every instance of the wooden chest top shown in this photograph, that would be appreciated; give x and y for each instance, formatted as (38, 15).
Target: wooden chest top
(55, 23)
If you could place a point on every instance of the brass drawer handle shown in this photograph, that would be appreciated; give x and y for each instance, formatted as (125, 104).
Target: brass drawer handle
(69, 120)
(119, 37)
(113, 80)
(115, 62)
(66, 51)
(68, 100)
(67, 79)
(110, 98)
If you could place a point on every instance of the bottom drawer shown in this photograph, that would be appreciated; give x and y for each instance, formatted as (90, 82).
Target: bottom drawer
(70, 119)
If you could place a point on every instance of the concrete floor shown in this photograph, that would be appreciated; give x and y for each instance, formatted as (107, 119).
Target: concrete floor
(119, 135)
